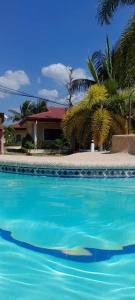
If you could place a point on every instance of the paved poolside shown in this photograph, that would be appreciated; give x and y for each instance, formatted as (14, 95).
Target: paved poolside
(84, 159)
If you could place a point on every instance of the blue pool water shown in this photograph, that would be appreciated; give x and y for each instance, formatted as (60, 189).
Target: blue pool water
(60, 213)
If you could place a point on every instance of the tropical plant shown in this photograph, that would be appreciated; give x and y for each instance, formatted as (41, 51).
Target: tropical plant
(74, 85)
(9, 135)
(59, 143)
(124, 58)
(123, 54)
(29, 145)
(80, 84)
(28, 142)
(25, 109)
(96, 117)
(40, 106)
(100, 66)
(28, 108)
(107, 8)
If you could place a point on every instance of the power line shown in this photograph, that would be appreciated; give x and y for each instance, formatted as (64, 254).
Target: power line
(11, 91)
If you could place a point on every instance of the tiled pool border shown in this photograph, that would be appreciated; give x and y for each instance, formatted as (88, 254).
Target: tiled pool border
(65, 171)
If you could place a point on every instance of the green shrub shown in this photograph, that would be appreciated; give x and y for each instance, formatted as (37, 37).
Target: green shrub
(28, 142)
(9, 135)
(29, 145)
(57, 144)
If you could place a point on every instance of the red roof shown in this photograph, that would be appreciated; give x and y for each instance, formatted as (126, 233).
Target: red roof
(53, 113)
(18, 126)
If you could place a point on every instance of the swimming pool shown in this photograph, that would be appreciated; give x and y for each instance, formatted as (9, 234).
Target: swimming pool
(62, 214)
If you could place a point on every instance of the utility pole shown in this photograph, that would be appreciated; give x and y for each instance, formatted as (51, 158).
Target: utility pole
(69, 86)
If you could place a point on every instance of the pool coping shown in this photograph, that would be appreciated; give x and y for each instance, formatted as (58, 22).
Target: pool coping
(59, 170)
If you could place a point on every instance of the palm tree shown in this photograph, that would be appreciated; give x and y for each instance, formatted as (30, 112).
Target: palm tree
(28, 108)
(107, 8)
(25, 109)
(100, 66)
(97, 116)
(124, 58)
(123, 55)
(37, 107)
(75, 84)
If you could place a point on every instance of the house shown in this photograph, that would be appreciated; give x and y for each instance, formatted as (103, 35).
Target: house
(1, 133)
(20, 131)
(43, 127)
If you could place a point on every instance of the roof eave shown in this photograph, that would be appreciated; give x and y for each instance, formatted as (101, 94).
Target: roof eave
(43, 119)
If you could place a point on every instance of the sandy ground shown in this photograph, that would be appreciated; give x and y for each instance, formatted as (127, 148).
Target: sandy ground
(85, 159)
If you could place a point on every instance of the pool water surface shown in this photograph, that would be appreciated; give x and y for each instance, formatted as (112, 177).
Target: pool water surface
(66, 216)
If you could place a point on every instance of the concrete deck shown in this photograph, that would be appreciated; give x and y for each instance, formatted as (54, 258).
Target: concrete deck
(85, 159)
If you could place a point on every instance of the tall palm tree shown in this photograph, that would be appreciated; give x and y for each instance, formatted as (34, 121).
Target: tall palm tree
(39, 106)
(25, 109)
(123, 56)
(97, 116)
(100, 66)
(28, 108)
(74, 85)
(106, 8)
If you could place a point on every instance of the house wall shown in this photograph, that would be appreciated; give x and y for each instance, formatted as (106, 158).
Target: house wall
(21, 132)
(40, 130)
(29, 126)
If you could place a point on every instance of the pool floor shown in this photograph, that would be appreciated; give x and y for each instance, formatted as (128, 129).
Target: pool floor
(66, 216)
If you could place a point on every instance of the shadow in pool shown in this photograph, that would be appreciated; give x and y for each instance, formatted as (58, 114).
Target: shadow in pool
(83, 255)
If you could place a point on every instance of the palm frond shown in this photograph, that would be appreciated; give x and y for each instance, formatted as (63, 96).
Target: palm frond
(119, 124)
(75, 124)
(108, 59)
(26, 108)
(106, 9)
(101, 123)
(97, 59)
(77, 121)
(124, 58)
(93, 70)
(81, 84)
(14, 115)
(13, 111)
(111, 86)
(97, 94)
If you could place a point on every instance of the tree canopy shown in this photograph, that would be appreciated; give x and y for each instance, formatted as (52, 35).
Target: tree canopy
(28, 108)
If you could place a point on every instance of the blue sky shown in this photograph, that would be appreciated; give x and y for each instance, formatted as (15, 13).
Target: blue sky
(36, 35)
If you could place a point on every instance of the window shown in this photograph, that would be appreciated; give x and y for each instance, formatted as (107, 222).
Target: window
(18, 138)
(52, 134)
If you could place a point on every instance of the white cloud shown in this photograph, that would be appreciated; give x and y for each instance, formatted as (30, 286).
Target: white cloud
(51, 94)
(60, 73)
(14, 80)
(79, 73)
(77, 97)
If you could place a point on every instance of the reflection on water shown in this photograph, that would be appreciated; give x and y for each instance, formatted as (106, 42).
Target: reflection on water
(66, 213)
